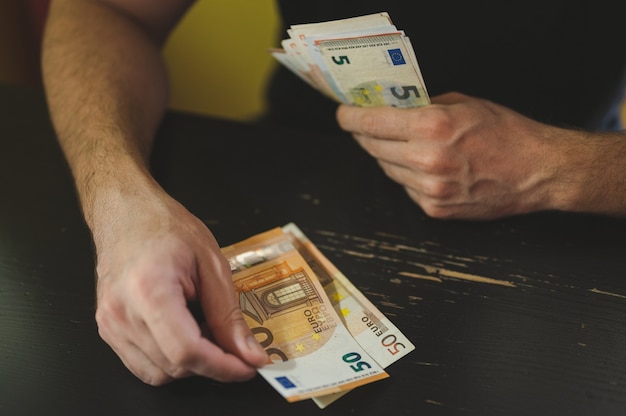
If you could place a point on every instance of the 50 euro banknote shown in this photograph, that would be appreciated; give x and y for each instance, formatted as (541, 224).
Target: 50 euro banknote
(284, 304)
(382, 340)
(364, 61)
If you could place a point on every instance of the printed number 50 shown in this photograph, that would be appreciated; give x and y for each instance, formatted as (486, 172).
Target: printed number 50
(392, 344)
(354, 357)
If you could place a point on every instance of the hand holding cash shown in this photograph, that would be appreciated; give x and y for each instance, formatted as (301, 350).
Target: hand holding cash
(364, 61)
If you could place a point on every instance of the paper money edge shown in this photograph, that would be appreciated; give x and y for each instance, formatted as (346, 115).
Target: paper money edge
(324, 400)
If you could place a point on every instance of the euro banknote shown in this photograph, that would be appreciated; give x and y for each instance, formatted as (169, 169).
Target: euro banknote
(364, 61)
(382, 340)
(323, 336)
(311, 352)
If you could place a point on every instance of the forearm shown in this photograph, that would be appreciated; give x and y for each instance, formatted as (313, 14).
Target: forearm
(106, 87)
(593, 173)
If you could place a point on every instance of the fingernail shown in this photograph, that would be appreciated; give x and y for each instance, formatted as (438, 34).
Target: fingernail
(254, 345)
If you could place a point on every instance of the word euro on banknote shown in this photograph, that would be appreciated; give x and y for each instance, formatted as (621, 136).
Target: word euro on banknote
(364, 61)
(382, 340)
(284, 304)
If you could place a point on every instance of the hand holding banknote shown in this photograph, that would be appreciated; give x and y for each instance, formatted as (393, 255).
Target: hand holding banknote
(458, 158)
(322, 335)
(284, 304)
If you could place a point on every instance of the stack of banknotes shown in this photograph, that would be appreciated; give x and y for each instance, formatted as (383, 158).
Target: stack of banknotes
(364, 61)
(323, 336)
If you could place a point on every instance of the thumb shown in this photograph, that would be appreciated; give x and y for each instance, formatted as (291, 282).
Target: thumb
(224, 317)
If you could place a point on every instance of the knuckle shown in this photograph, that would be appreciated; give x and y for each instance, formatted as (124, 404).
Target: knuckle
(432, 207)
(109, 310)
(104, 331)
(142, 286)
(180, 357)
(438, 190)
(438, 211)
(369, 123)
(155, 379)
(441, 122)
(437, 161)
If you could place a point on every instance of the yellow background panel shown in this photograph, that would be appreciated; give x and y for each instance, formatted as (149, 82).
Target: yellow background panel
(218, 57)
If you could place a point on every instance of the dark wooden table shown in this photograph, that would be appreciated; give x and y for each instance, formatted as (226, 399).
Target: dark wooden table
(521, 316)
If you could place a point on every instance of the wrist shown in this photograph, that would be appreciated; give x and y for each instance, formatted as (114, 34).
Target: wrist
(110, 189)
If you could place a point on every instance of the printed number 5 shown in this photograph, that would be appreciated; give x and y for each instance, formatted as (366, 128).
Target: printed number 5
(406, 92)
(354, 357)
(340, 60)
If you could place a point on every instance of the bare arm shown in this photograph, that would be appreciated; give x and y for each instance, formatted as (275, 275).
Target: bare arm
(107, 88)
(107, 91)
(464, 157)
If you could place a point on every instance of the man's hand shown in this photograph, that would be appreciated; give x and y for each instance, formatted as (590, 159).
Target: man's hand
(106, 86)
(153, 259)
(463, 157)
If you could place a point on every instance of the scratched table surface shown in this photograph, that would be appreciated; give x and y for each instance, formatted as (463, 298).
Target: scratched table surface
(520, 316)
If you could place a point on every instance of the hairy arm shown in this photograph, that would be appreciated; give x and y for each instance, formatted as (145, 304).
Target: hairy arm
(594, 173)
(106, 87)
